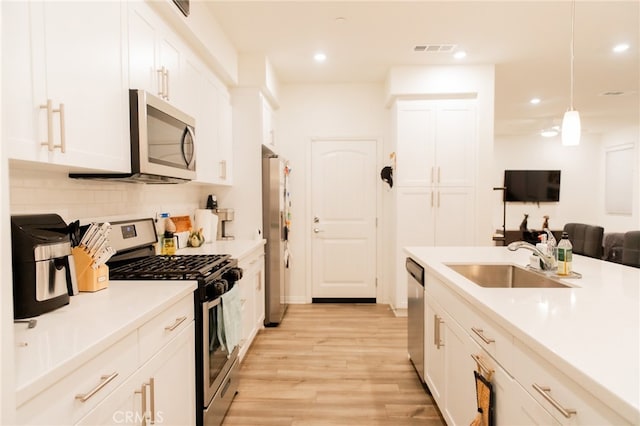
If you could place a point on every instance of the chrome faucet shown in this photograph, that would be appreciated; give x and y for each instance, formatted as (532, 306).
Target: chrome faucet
(548, 262)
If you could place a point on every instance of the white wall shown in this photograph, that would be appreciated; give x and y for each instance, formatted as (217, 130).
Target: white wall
(581, 187)
(321, 111)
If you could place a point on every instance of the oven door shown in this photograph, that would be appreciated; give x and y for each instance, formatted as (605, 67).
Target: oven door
(216, 359)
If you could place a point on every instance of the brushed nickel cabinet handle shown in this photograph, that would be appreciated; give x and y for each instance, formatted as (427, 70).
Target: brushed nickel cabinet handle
(544, 391)
(152, 398)
(176, 323)
(223, 169)
(143, 400)
(160, 76)
(437, 321)
(480, 333)
(63, 130)
(438, 174)
(432, 198)
(438, 199)
(165, 81)
(49, 143)
(104, 381)
(482, 365)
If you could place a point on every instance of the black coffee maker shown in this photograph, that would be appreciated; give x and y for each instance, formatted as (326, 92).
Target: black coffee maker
(40, 247)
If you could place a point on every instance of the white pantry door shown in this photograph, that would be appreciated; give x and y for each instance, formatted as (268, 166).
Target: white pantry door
(343, 232)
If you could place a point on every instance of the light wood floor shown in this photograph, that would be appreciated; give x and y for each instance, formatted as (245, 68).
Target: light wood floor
(332, 364)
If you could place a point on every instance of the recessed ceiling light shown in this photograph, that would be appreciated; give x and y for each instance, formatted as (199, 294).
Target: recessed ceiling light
(535, 101)
(320, 57)
(622, 47)
(460, 54)
(549, 133)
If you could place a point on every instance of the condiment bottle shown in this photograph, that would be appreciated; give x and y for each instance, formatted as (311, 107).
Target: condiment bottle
(565, 249)
(168, 242)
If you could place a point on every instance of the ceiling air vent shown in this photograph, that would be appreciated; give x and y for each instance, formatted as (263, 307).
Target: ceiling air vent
(435, 48)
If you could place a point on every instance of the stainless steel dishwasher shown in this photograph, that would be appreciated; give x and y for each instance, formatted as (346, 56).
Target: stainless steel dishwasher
(415, 313)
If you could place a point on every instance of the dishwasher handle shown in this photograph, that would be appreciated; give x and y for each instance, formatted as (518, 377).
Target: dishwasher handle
(415, 270)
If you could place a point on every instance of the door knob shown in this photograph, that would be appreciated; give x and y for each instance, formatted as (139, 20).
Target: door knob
(316, 230)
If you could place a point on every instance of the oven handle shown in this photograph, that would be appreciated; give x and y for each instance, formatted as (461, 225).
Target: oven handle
(212, 303)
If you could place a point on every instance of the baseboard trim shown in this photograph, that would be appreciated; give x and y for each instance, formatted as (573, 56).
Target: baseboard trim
(343, 300)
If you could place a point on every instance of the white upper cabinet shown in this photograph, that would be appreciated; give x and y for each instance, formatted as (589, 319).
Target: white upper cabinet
(64, 91)
(154, 54)
(214, 132)
(436, 142)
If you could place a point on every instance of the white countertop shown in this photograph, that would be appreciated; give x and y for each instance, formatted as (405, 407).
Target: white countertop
(591, 332)
(236, 248)
(73, 334)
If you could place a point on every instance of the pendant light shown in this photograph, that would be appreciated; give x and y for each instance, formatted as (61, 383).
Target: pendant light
(571, 120)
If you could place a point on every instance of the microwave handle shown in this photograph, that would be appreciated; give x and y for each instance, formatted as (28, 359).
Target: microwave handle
(189, 161)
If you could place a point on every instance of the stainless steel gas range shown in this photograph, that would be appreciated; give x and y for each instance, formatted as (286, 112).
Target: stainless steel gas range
(216, 359)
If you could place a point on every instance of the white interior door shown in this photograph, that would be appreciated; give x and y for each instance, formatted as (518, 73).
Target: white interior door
(343, 231)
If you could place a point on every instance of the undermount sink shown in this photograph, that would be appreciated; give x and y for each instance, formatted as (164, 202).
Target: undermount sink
(505, 276)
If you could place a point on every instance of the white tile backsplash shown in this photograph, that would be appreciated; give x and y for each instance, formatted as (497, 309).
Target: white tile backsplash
(34, 190)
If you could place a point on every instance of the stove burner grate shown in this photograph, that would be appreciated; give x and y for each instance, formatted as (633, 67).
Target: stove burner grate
(187, 267)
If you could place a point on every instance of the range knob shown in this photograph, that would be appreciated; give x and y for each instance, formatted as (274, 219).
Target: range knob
(233, 274)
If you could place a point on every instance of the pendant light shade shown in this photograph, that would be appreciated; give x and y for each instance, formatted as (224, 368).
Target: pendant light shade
(571, 128)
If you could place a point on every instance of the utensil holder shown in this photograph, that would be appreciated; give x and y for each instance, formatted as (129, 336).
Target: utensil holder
(89, 279)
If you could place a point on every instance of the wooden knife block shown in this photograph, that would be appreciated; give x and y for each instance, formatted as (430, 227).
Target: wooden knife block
(89, 279)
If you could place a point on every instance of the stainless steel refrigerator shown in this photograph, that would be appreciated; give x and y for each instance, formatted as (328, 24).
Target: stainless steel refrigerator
(276, 222)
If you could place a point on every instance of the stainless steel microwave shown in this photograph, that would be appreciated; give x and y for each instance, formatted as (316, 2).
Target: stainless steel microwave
(163, 143)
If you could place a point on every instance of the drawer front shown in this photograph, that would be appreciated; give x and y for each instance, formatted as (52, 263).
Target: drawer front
(492, 338)
(165, 326)
(568, 402)
(67, 401)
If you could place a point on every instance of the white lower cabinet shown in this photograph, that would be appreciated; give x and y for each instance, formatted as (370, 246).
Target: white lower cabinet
(151, 370)
(528, 390)
(162, 391)
(251, 297)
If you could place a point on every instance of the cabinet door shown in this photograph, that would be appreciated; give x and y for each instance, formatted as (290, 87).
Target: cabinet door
(259, 292)
(455, 143)
(169, 400)
(83, 77)
(415, 133)
(142, 50)
(20, 109)
(460, 390)
(454, 221)
(225, 148)
(173, 373)
(434, 352)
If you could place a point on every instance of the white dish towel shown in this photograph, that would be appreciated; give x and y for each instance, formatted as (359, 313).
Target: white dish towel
(230, 325)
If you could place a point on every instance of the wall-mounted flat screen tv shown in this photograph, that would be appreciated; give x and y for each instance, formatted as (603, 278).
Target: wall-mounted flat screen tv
(532, 185)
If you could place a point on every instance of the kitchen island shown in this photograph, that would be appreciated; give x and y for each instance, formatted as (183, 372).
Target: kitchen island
(588, 334)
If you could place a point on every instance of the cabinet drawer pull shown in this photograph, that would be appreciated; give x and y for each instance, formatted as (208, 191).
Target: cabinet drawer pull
(160, 76)
(544, 391)
(223, 169)
(436, 331)
(482, 366)
(104, 381)
(49, 142)
(152, 398)
(143, 403)
(177, 322)
(480, 333)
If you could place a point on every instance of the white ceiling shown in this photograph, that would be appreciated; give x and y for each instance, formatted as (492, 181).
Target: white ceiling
(529, 43)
